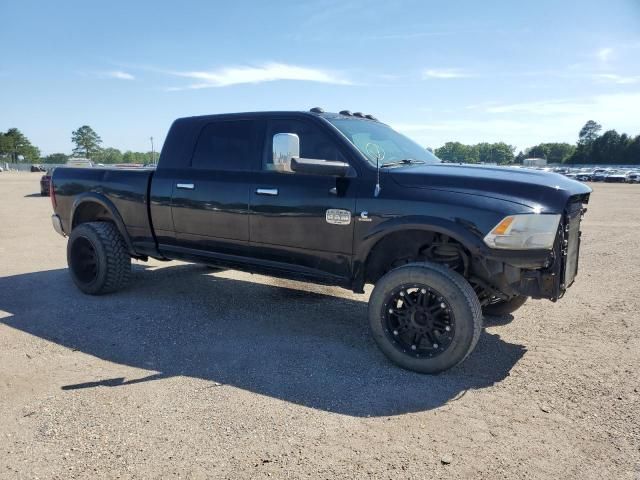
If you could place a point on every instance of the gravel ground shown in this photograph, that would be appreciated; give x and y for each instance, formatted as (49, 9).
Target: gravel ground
(198, 374)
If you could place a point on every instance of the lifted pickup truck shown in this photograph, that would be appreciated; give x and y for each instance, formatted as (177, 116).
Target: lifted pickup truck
(339, 199)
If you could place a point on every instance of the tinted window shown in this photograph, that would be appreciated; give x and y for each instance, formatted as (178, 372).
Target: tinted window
(314, 142)
(225, 146)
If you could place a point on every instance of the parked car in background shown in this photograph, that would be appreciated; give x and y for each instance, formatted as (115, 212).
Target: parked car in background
(45, 182)
(633, 177)
(599, 175)
(37, 168)
(615, 176)
(583, 176)
(79, 163)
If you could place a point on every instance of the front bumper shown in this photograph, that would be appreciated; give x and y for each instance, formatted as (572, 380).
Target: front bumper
(541, 273)
(57, 224)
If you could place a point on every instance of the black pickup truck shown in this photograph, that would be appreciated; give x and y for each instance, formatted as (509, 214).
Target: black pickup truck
(339, 199)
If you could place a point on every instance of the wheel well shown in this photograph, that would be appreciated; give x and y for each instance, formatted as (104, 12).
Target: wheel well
(90, 212)
(408, 246)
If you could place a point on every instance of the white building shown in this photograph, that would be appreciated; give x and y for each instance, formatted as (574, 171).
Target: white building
(534, 162)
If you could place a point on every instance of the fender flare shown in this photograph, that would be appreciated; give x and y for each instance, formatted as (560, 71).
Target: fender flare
(459, 231)
(114, 214)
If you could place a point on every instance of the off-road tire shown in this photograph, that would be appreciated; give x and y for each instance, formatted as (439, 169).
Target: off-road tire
(504, 307)
(112, 260)
(458, 294)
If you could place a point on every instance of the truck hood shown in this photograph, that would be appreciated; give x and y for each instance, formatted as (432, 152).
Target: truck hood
(544, 191)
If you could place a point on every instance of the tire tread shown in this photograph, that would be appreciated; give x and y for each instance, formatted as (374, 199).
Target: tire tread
(117, 259)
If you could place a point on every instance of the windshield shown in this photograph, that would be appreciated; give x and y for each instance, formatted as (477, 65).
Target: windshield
(375, 139)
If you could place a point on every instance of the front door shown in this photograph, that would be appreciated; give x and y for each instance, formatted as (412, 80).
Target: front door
(303, 220)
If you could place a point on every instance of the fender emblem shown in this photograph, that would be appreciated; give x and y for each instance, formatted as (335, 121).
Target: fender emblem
(336, 216)
(364, 216)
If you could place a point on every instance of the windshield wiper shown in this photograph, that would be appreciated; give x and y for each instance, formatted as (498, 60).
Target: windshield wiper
(405, 161)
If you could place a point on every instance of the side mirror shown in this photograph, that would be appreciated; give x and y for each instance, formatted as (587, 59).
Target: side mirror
(285, 147)
(310, 166)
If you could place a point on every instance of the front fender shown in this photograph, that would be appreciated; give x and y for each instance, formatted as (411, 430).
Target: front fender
(463, 232)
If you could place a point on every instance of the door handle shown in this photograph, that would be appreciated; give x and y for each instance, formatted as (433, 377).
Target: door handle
(185, 186)
(267, 191)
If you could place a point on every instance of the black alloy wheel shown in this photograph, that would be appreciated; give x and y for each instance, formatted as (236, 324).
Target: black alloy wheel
(425, 317)
(419, 321)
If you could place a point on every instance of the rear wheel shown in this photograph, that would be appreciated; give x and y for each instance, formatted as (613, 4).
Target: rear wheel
(98, 259)
(425, 317)
(504, 307)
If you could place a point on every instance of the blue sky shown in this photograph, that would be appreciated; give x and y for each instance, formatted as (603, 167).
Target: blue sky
(471, 71)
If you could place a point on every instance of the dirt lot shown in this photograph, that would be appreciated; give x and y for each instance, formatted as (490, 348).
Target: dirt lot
(196, 374)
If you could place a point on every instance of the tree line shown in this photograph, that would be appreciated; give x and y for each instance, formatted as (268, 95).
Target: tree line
(610, 148)
(592, 147)
(15, 147)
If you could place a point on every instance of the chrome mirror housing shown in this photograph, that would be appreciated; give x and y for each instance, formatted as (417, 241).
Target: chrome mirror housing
(285, 147)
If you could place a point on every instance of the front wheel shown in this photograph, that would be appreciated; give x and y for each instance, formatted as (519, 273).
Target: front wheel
(425, 317)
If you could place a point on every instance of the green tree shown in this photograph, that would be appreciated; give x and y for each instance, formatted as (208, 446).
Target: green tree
(17, 146)
(484, 152)
(587, 135)
(58, 158)
(137, 157)
(456, 152)
(589, 132)
(499, 152)
(609, 148)
(632, 152)
(109, 155)
(87, 141)
(553, 152)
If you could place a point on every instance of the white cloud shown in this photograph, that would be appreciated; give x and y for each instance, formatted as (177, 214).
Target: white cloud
(619, 79)
(445, 73)
(604, 54)
(120, 75)
(528, 123)
(237, 75)
(544, 107)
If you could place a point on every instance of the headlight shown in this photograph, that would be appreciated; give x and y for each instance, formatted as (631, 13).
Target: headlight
(523, 232)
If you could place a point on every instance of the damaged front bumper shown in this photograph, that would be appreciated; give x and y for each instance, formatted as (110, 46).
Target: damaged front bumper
(540, 273)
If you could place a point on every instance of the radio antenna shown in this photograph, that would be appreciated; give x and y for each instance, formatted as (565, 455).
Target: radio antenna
(376, 152)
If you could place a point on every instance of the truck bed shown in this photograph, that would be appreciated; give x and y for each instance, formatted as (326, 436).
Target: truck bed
(126, 190)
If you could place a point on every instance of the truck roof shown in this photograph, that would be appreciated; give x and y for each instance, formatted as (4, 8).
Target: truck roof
(184, 131)
(314, 112)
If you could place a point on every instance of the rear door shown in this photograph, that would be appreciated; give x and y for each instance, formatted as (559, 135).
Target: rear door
(303, 220)
(210, 198)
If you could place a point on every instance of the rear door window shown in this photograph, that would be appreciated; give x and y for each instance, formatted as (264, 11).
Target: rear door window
(226, 145)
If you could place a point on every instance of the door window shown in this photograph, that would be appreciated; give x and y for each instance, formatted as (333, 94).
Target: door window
(314, 142)
(225, 145)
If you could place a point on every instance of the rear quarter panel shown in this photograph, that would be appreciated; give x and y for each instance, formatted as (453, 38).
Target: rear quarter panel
(126, 189)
